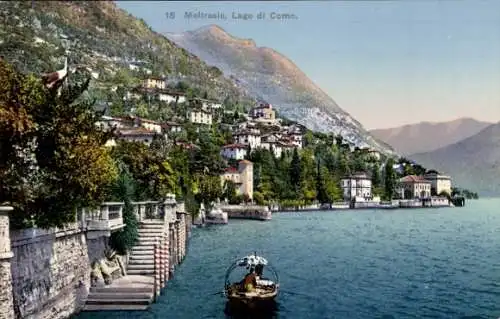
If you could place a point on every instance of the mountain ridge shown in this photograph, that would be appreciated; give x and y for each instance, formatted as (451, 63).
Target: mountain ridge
(427, 136)
(473, 162)
(278, 80)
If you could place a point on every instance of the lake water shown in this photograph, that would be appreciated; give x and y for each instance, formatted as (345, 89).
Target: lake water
(421, 263)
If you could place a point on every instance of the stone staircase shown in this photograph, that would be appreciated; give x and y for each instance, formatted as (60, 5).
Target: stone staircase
(124, 294)
(135, 291)
(141, 259)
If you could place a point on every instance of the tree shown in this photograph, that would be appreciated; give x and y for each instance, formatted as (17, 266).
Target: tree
(55, 139)
(389, 180)
(322, 194)
(123, 190)
(210, 189)
(229, 190)
(295, 171)
(152, 172)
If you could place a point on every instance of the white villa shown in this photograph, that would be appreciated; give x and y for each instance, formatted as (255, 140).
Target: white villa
(413, 186)
(357, 185)
(439, 183)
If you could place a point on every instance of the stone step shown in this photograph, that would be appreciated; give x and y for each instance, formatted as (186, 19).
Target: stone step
(133, 266)
(143, 272)
(140, 257)
(146, 242)
(142, 247)
(134, 262)
(117, 290)
(120, 295)
(149, 234)
(115, 307)
(139, 251)
(119, 301)
(153, 227)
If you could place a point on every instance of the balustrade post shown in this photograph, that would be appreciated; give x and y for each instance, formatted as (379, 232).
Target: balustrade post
(156, 277)
(6, 298)
(166, 255)
(105, 212)
(162, 265)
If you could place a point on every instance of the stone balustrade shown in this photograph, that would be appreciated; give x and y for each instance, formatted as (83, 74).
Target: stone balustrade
(104, 220)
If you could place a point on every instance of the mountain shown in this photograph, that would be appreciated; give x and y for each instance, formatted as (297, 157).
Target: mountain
(428, 136)
(473, 163)
(116, 46)
(275, 79)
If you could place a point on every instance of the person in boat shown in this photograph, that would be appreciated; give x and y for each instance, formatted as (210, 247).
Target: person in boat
(250, 281)
(259, 269)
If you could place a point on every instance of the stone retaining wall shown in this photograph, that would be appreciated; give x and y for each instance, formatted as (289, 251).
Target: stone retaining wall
(46, 273)
(50, 272)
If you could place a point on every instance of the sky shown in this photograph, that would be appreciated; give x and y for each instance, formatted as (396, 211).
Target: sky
(387, 63)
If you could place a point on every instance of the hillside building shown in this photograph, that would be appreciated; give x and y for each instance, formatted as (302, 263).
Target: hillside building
(242, 177)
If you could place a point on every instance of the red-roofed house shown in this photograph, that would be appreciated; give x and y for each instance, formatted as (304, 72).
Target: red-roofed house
(413, 186)
(234, 151)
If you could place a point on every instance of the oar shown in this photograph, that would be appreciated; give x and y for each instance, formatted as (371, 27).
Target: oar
(217, 293)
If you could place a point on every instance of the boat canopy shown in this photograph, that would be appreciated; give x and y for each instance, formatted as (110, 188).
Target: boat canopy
(251, 260)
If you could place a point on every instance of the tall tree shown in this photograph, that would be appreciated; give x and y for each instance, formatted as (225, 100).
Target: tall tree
(322, 194)
(389, 179)
(295, 171)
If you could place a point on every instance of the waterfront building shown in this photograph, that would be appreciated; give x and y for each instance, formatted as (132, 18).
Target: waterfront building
(413, 187)
(242, 177)
(439, 183)
(358, 185)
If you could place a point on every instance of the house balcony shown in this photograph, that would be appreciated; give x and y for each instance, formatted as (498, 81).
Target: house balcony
(104, 220)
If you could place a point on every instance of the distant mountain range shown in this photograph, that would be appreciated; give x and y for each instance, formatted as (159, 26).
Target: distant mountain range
(275, 79)
(428, 136)
(473, 162)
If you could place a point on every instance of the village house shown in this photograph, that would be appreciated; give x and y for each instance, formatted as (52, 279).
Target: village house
(206, 104)
(138, 134)
(108, 122)
(242, 177)
(149, 125)
(413, 187)
(439, 183)
(250, 137)
(172, 127)
(296, 138)
(154, 83)
(263, 113)
(200, 117)
(234, 151)
(358, 185)
(171, 96)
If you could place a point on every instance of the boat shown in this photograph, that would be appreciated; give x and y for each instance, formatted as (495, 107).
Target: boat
(265, 290)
